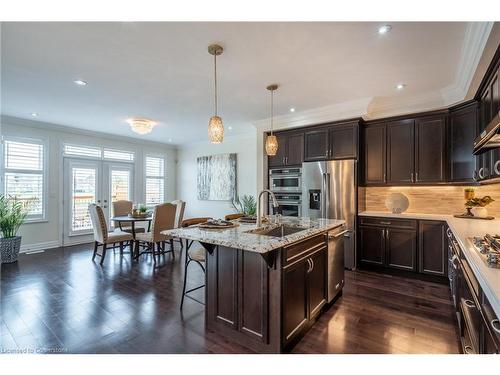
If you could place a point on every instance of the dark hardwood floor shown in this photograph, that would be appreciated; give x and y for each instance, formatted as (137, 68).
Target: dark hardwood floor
(61, 301)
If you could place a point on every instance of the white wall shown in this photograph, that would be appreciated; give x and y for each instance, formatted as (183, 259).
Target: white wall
(244, 145)
(48, 234)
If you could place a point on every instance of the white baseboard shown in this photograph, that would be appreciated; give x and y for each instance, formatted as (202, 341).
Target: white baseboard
(39, 246)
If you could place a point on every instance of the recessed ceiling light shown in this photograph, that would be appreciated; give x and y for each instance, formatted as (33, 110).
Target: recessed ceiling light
(170, 139)
(292, 109)
(79, 82)
(230, 127)
(400, 86)
(34, 114)
(384, 29)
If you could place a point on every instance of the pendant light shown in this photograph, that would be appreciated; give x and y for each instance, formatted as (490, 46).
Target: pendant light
(215, 125)
(271, 140)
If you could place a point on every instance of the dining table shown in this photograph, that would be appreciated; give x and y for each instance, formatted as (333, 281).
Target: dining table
(132, 220)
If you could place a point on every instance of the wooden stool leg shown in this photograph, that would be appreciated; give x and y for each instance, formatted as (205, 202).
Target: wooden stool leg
(121, 247)
(96, 245)
(103, 253)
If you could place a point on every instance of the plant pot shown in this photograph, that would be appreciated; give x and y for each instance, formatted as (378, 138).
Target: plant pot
(480, 211)
(9, 249)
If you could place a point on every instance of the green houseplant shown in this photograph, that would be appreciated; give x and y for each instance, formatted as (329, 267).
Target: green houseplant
(247, 205)
(12, 216)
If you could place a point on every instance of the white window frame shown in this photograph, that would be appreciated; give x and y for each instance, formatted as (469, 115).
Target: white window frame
(145, 177)
(101, 149)
(45, 173)
(112, 149)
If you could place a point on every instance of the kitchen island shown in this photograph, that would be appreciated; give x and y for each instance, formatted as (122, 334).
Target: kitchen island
(265, 287)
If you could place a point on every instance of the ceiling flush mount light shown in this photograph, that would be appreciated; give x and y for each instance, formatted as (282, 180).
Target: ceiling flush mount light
(34, 114)
(400, 86)
(384, 29)
(141, 125)
(79, 82)
(292, 110)
(271, 140)
(230, 127)
(215, 125)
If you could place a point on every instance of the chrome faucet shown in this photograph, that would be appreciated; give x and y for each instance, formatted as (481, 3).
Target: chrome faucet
(259, 210)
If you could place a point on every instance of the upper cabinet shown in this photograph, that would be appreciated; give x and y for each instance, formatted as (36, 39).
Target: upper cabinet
(462, 130)
(335, 141)
(405, 151)
(290, 150)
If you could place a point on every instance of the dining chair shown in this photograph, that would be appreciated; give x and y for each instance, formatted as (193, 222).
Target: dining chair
(179, 216)
(196, 255)
(123, 208)
(102, 237)
(163, 219)
(233, 216)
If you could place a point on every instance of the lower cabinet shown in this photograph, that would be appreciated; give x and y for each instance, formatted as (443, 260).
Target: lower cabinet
(304, 293)
(432, 247)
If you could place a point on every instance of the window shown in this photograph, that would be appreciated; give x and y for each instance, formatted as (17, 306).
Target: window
(86, 151)
(155, 180)
(118, 155)
(24, 174)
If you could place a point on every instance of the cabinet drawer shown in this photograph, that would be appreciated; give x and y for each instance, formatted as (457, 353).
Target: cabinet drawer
(492, 321)
(303, 248)
(389, 222)
(470, 277)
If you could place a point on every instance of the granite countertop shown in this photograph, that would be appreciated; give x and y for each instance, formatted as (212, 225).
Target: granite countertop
(462, 229)
(238, 237)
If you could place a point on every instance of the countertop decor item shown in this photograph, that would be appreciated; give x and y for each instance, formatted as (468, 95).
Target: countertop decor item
(215, 125)
(12, 215)
(477, 206)
(271, 140)
(397, 203)
(247, 205)
(218, 224)
(216, 177)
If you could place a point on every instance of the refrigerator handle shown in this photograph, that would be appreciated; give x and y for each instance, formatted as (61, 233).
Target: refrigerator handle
(323, 195)
(328, 192)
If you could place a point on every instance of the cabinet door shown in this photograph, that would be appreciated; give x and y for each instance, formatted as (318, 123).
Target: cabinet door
(279, 159)
(488, 342)
(401, 245)
(317, 283)
(374, 154)
(316, 145)
(495, 101)
(295, 150)
(372, 245)
(400, 151)
(484, 160)
(344, 141)
(430, 147)
(462, 132)
(432, 248)
(295, 299)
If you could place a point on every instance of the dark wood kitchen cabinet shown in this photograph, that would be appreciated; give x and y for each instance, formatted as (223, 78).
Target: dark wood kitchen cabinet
(401, 152)
(290, 150)
(372, 245)
(401, 249)
(462, 130)
(374, 154)
(432, 247)
(332, 142)
(430, 149)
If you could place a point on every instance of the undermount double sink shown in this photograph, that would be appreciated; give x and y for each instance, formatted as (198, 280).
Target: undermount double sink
(281, 230)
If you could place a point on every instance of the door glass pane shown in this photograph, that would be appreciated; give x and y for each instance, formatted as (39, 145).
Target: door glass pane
(83, 193)
(120, 186)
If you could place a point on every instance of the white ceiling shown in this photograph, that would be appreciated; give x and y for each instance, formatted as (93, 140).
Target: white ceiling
(163, 70)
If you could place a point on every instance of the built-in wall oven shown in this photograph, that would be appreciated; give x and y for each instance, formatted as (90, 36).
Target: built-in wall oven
(290, 204)
(283, 180)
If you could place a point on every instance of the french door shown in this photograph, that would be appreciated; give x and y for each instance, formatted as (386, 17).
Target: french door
(92, 181)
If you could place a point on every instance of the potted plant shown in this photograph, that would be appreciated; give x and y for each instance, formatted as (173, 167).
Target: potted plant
(12, 216)
(247, 205)
(478, 206)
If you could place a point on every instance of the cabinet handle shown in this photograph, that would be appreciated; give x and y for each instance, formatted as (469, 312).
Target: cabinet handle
(309, 267)
(411, 176)
(387, 234)
(448, 232)
(493, 322)
(416, 176)
(474, 176)
(384, 178)
(312, 264)
(385, 222)
(332, 236)
(468, 349)
(480, 173)
(470, 304)
(496, 168)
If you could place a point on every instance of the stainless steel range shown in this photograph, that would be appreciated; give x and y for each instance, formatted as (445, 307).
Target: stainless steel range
(489, 249)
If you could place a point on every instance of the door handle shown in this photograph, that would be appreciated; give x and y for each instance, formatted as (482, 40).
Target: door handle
(332, 236)
(492, 323)
(309, 267)
(312, 264)
(385, 222)
(470, 304)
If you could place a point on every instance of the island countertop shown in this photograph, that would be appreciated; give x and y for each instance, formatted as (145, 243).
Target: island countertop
(238, 237)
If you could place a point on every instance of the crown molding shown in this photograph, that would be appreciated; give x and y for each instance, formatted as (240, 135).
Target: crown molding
(476, 37)
(334, 112)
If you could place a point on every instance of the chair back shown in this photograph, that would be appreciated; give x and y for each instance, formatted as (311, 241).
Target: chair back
(179, 212)
(122, 208)
(163, 219)
(99, 224)
(233, 216)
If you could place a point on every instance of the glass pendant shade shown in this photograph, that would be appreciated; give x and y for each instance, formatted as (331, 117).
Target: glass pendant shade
(271, 145)
(215, 130)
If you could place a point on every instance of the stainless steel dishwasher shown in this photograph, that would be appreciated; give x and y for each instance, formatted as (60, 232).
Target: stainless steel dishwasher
(336, 261)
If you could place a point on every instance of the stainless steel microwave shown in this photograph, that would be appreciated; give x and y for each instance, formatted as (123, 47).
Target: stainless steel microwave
(285, 180)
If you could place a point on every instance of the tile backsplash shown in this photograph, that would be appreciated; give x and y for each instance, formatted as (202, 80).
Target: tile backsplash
(447, 200)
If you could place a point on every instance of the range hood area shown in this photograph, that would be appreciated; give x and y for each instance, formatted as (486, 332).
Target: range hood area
(489, 137)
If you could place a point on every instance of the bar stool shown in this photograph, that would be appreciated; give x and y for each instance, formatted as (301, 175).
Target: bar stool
(233, 216)
(196, 255)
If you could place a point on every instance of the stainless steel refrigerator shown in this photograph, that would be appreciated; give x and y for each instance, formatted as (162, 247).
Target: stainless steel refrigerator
(329, 191)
